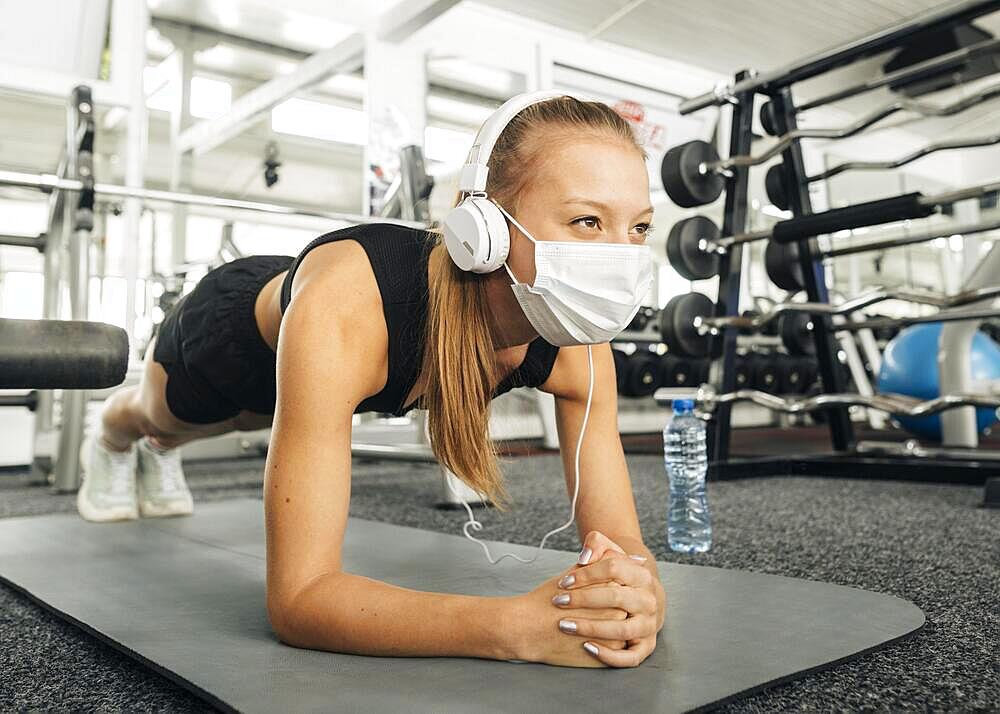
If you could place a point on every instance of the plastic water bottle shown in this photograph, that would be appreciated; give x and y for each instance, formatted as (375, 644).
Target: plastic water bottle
(689, 522)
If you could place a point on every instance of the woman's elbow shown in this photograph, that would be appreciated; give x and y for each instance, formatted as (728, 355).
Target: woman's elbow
(280, 616)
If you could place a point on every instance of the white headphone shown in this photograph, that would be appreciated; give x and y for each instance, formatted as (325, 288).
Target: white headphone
(475, 231)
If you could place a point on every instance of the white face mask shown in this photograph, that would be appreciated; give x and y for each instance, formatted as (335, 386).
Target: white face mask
(584, 293)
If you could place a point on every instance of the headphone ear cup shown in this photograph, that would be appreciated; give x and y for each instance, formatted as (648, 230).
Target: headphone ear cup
(476, 235)
(499, 235)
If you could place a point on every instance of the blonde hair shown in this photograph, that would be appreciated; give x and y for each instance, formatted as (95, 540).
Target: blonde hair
(459, 356)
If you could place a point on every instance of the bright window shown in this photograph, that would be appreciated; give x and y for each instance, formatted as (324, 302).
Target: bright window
(21, 295)
(319, 120)
(448, 146)
(210, 98)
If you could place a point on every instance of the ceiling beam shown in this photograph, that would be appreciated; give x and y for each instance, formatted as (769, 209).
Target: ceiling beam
(345, 56)
(169, 26)
(408, 16)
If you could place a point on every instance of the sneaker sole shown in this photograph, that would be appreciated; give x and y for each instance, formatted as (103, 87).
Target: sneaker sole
(99, 515)
(149, 510)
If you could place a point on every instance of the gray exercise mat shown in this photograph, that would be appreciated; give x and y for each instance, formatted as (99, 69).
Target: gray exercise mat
(186, 597)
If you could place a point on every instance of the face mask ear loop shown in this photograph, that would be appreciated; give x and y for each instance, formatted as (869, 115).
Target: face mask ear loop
(476, 525)
(520, 228)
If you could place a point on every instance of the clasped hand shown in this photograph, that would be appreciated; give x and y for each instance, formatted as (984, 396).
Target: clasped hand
(607, 603)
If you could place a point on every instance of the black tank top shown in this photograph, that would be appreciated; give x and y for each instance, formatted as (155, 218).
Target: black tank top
(398, 256)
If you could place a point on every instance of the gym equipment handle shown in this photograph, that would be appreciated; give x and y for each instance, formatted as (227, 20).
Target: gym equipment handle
(870, 213)
(61, 354)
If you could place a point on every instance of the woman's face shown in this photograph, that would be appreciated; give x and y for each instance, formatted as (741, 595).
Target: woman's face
(588, 190)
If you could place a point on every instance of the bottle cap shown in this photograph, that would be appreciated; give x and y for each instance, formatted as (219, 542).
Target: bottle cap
(681, 406)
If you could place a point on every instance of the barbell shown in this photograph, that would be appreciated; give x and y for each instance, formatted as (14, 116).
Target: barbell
(694, 244)
(776, 179)
(688, 321)
(707, 398)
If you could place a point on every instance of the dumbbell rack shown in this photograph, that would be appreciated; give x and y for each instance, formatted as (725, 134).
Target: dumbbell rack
(846, 459)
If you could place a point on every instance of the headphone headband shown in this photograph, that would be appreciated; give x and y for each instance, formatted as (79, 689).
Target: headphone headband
(472, 177)
(475, 231)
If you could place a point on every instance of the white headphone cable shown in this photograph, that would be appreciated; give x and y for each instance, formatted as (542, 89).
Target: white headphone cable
(476, 525)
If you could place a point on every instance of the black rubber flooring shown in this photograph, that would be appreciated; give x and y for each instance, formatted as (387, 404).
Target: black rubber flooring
(932, 544)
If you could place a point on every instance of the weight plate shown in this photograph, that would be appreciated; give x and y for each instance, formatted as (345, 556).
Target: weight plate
(775, 186)
(682, 180)
(767, 118)
(810, 369)
(796, 333)
(764, 373)
(643, 375)
(742, 372)
(789, 374)
(781, 261)
(677, 324)
(683, 250)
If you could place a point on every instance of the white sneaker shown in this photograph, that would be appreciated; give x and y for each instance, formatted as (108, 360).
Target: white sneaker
(107, 492)
(162, 488)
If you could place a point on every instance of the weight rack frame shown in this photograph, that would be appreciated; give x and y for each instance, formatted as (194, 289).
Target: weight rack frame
(973, 466)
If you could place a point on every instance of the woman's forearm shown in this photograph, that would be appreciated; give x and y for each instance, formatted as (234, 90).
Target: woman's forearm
(343, 612)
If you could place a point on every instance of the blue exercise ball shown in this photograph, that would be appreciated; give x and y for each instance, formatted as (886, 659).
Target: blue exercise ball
(909, 366)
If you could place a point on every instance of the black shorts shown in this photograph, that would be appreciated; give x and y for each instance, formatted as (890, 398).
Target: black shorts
(216, 361)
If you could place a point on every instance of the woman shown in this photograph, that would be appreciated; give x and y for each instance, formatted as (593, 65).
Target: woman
(384, 318)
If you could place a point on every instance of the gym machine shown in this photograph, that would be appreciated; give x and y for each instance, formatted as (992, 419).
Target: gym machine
(693, 174)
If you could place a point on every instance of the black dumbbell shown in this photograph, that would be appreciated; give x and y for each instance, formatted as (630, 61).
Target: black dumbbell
(775, 186)
(642, 375)
(684, 181)
(764, 373)
(684, 251)
(781, 262)
(678, 371)
(796, 330)
(677, 324)
(809, 369)
(789, 370)
(743, 371)
(767, 119)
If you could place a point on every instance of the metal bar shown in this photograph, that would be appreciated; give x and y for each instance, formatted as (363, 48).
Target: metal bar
(962, 194)
(227, 38)
(904, 104)
(712, 325)
(955, 354)
(36, 242)
(912, 447)
(707, 400)
(397, 452)
(77, 222)
(865, 46)
(943, 316)
(914, 73)
(29, 400)
(48, 182)
(902, 161)
(964, 229)
(730, 266)
(342, 57)
(813, 274)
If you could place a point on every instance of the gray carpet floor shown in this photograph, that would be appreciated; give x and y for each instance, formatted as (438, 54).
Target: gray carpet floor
(929, 543)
